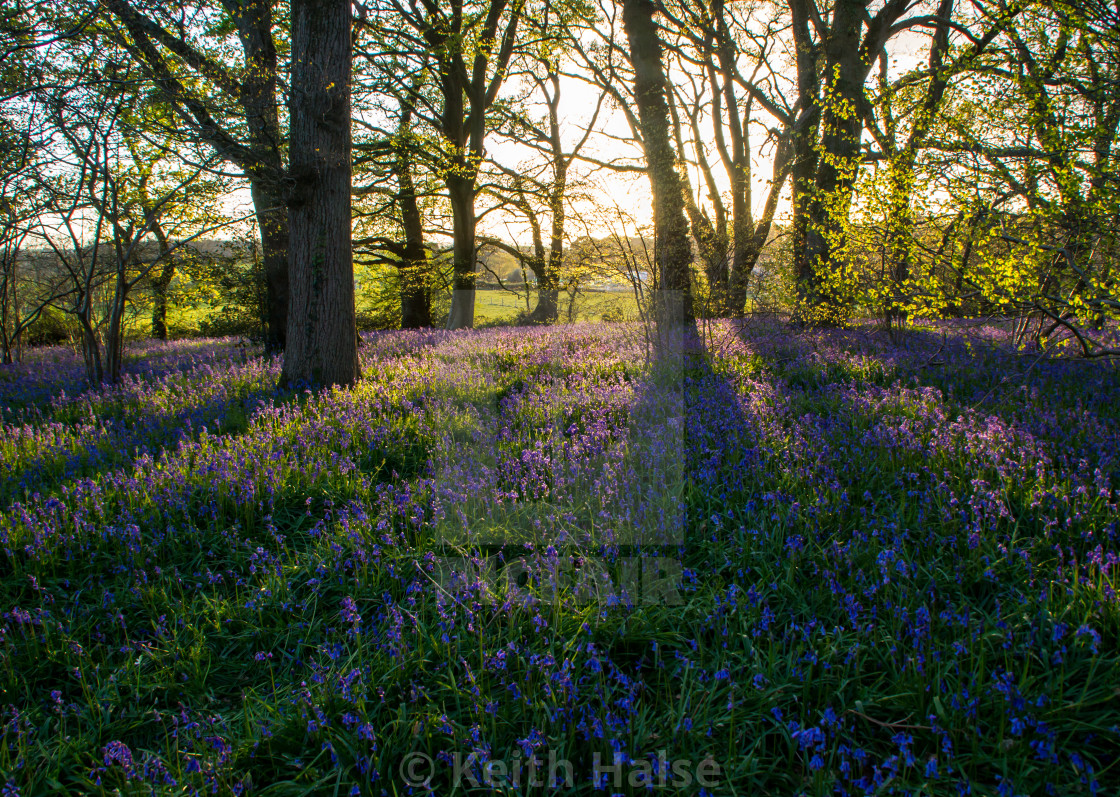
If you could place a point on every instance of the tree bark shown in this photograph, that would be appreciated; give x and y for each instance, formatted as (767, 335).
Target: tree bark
(460, 190)
(322, 341)
(416, 300)
(273, 220)
(672, 250)
(159, 301)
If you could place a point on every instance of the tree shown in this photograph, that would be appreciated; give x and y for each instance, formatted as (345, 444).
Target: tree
(539, 192)
(721, 50)
(834, 53)
(416, 297)
(901, 117)
(232, 107)
(1028, 148)
(672, 249)
(105, 195)
(322, 345)
(19, 209)
(392, 162)
(195, 206)
(24, 38)
(467, 48)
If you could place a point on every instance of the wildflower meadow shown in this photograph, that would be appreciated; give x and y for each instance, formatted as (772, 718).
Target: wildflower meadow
(540, 560)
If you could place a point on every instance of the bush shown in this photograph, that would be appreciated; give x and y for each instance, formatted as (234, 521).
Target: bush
(379, 317)
(614, 314)
(240, 282)
(51, 328)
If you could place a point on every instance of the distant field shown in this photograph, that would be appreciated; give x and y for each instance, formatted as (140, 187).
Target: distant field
(492, 306)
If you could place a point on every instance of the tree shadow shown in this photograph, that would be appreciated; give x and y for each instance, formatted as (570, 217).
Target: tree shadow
(585, 469)
(119, 446)
(940, 382)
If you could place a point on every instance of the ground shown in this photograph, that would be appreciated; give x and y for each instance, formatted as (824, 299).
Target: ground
(765, 561)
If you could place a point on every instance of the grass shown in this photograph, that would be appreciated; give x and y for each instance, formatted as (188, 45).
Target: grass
(853, 568)
(492, 307)
(497, 307)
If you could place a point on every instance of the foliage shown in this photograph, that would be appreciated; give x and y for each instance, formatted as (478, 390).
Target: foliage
(236, 282)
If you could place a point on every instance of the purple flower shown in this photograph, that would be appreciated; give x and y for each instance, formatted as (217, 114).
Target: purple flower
(1093, 636)
(350, 611)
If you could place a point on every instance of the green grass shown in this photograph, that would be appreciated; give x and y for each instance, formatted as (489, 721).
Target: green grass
(496, 307)
(492, 307)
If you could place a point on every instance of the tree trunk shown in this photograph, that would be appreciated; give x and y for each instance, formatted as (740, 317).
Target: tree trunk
(262, 117)
(416, 299)
(17, 336)
(546, 268)
(114, 343)
(900, 214)
(460, 191)
(7, 304)
(547, 310)
(322, 340)
(841, 126)
(804, 273)
(672, 250)
(159, 308)
(739, 166)
(548, 303)
(749, 243)
(160, 283)
(273, 222)
(711, 239)
(900, 229)
(91, 346)
(825, 171)
(741, 237)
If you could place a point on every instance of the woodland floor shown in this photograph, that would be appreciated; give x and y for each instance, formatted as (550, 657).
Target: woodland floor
(823, 563)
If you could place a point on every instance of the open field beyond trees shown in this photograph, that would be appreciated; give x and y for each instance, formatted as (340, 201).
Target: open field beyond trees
(897, 566)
